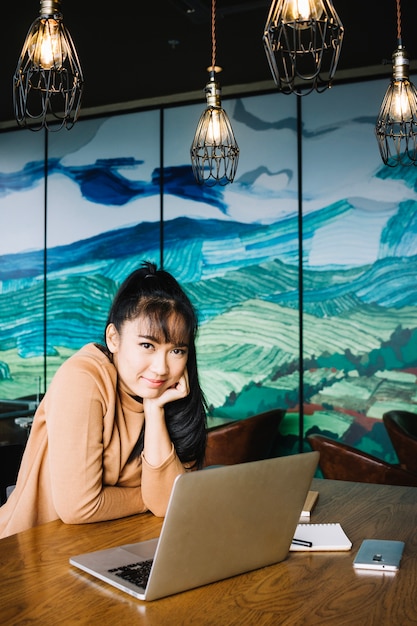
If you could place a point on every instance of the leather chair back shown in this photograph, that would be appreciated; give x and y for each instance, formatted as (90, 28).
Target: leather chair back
(250, 439)
(402, 430)
(339, 461)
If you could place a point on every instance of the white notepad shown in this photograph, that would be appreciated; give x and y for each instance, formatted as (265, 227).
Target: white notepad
(323, 537)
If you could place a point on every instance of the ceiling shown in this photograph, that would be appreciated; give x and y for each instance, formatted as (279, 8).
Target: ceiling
(157, 52)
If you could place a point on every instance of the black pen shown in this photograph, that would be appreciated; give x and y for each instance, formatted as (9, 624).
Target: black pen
(302, 542)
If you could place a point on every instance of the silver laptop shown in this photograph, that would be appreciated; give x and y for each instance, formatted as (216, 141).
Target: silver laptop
(220, 522)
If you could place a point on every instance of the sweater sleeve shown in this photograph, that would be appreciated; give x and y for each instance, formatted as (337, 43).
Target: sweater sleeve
(77, 404)
(157, 482)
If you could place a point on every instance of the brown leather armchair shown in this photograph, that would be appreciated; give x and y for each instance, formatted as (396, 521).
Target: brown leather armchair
(249, 439)
(339, 461)
(402, 430)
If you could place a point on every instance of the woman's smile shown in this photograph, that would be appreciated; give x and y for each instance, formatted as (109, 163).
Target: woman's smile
(152, 382)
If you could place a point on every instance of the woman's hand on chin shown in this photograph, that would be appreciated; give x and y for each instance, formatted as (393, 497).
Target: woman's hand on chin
(179, 390)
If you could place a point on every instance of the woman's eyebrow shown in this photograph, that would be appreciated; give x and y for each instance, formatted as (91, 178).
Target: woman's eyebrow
(179, 344)
(148, 338)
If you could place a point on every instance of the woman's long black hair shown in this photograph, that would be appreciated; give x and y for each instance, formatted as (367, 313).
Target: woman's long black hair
(156, 295)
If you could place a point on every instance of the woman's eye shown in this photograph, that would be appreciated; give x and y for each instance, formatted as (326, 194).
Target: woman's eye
(146, 345)
(179, 351)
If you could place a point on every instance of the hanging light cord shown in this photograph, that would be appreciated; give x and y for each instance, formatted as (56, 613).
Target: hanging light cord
(214, 150)
(399, 22)
(213, 35)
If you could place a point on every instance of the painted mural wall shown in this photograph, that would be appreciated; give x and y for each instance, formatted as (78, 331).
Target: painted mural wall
(359, 269)
(117, 192)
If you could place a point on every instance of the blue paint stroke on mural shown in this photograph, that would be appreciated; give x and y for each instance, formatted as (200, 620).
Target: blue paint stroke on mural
(22, 180)
(241, 114)
(119, 244)
(102, 183)
(389, 282)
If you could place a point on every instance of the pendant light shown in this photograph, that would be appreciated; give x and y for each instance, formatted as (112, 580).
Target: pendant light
(303, 41)
(214, 151)
(48, 80)
(396, 126)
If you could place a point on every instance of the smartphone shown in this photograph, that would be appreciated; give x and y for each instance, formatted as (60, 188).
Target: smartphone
(379, 554)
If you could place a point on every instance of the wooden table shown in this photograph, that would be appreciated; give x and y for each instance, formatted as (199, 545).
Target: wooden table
(38, 586)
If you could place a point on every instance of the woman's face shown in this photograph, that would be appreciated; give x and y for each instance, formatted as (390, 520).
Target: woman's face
(146, 364)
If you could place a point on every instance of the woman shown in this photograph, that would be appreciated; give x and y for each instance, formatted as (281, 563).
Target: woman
(119, 422)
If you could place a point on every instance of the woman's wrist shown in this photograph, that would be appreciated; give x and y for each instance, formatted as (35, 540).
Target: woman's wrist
(152, 410)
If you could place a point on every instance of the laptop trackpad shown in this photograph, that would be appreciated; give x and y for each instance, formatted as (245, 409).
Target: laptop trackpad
(103, 560)
(142, 549)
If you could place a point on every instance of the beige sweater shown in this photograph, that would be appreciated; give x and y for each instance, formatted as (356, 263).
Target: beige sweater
(75, 465)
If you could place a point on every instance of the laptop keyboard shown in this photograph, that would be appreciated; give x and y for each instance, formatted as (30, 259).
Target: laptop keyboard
(135, 573)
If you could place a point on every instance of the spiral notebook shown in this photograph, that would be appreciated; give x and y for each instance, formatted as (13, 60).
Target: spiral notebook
(322, 537)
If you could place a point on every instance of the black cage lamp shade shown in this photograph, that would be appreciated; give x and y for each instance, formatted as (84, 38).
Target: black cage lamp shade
(48, 80)
(303, 41)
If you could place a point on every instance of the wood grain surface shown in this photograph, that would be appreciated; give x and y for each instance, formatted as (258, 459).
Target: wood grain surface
(39, 586)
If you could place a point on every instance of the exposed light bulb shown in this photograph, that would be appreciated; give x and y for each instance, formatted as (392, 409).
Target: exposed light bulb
(214, 128)
(47, 47)
(400, 109)
(302, 10)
